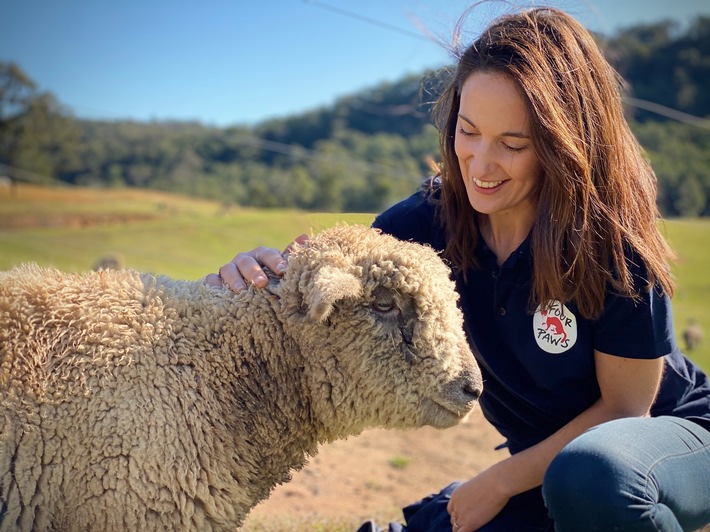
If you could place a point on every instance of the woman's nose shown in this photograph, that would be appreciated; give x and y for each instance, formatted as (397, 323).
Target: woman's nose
(480, 163)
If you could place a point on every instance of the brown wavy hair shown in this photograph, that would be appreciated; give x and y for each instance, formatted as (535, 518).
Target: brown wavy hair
(597, 197)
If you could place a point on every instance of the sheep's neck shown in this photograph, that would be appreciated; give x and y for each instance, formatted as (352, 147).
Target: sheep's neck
(267, 388)
(265, 409)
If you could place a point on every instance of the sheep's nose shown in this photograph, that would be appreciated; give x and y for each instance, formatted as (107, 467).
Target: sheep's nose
(472, 380)
(467, 387)
(473, 390)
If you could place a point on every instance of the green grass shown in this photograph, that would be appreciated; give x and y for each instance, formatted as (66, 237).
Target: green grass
(691, 241)
(171, 235)
(317, 523)
(186, 238)
(399, 462)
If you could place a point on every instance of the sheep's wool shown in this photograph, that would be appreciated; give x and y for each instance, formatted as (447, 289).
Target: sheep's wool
(135, 402)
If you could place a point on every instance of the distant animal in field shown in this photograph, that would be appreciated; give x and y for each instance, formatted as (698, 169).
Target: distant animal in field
(112, 261)
(692, 335)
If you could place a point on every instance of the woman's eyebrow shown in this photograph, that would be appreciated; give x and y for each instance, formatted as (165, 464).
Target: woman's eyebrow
(516, 134)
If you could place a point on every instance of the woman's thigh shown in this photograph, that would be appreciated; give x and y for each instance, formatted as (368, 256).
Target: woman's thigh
(634, 474)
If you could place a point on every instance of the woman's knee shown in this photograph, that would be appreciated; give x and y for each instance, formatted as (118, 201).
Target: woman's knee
(587, 477)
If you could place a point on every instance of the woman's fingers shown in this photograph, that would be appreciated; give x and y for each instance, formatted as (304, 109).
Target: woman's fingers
(232, 277)
(250, 266)
(247, 268)
(214, 280)
(300, 239)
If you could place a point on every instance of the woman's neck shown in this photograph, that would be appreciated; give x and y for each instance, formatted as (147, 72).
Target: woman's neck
(503, 234)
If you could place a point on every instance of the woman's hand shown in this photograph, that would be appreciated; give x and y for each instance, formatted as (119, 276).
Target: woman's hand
(478, 500)
(246, 268)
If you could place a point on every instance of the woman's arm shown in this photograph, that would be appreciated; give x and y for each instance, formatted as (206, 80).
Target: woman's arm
(628, 388)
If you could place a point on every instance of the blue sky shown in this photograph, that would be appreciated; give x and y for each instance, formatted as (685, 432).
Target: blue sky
(231, 62)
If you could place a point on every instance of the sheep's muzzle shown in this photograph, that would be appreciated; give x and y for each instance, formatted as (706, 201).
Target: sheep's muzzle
(454, 402)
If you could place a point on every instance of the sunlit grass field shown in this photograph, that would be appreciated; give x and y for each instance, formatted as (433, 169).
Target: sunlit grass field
(71, 229)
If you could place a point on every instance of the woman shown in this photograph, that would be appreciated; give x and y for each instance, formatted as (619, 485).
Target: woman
(545, 207)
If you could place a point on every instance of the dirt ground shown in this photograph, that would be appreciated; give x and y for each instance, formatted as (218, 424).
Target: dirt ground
(375, 474)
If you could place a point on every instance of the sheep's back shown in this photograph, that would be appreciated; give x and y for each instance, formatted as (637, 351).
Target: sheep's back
(58, 331)
(105, 403)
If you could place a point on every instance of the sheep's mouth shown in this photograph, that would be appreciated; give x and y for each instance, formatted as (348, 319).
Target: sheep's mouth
(440, 414)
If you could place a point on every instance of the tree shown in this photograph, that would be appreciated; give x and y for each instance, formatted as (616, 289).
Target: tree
(691, 197)
(664, 66)
(16, 90)
(36, 134)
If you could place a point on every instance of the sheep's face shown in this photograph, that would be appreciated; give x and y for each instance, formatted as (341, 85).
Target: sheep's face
(378, 324)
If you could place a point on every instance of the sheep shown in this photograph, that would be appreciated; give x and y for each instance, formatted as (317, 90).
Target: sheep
(692, 335)
(111, 261)
(131, 401)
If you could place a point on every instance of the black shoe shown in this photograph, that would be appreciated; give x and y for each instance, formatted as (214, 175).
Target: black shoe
(369, 526)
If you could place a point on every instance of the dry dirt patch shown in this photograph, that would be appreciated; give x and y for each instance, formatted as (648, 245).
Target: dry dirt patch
(375, 474)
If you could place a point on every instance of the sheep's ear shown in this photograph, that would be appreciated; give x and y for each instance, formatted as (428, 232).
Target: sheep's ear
(330, 285)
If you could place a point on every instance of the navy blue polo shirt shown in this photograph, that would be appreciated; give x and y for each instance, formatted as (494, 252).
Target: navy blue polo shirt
(538, 363)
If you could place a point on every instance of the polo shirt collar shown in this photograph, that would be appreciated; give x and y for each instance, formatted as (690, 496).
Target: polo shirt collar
(521, 255)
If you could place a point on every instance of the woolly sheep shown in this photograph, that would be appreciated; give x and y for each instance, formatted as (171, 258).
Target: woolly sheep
(692, 335)
(135, 402)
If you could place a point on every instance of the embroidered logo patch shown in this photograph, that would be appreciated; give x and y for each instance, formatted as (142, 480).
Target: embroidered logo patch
(555, 328)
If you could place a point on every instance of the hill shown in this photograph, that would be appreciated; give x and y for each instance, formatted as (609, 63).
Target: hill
(361, 153)
(71, 228)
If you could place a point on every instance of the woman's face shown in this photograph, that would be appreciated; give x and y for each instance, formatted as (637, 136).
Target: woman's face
(499, 167)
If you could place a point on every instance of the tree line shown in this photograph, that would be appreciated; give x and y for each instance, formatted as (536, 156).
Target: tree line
(363, 152)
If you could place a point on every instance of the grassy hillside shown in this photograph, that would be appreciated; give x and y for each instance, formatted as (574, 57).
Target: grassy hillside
(72, 228)
(691, 241)
(152, 231)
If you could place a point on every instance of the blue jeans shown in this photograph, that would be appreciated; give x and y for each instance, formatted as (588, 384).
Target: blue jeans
(634, 474)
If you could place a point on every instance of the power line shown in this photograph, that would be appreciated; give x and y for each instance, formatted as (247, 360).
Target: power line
(668, 112)
(299, 152)
(368, 20)
(18, 174)
(646, 105)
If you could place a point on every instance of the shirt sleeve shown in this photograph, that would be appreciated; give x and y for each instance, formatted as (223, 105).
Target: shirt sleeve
(636, 327)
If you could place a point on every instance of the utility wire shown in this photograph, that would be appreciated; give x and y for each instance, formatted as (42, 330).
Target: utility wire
(646, 105)
(18, 174)
(668, 112)
(363, 18)
(299, 152)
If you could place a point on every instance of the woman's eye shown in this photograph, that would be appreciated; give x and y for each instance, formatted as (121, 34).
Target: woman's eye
(465, 133)
(513, 148)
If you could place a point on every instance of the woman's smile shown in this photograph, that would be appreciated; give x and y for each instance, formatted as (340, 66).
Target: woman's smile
(486, 185)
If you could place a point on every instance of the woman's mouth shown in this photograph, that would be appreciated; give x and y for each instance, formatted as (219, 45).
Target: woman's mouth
(486, 184)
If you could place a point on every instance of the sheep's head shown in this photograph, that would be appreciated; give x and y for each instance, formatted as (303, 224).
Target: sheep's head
(382, 336)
